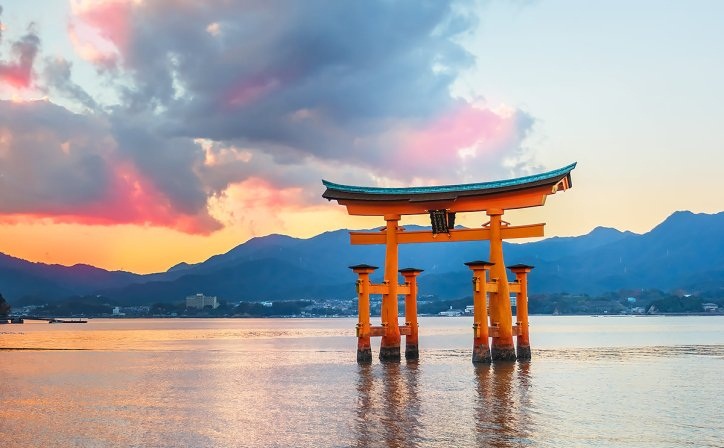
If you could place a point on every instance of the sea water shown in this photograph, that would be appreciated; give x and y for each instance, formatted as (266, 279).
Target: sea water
(593, 381)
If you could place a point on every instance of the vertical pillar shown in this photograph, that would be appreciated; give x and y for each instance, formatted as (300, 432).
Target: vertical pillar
(481, 341)
(411, 347)
(390, 345)
(502, 347)
(521, 310)
(364, 349)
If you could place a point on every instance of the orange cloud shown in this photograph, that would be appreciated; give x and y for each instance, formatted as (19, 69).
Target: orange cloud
(255, 204)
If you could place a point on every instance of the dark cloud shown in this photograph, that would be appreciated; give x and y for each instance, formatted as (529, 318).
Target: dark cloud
(57, 76)
(307, 77)
(171, 163)
(51, 160)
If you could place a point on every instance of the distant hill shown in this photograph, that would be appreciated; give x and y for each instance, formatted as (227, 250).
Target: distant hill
(677, 253)
(686, 250)
(21, 278)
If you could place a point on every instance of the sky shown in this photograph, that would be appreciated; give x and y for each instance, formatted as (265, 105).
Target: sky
(137, 134)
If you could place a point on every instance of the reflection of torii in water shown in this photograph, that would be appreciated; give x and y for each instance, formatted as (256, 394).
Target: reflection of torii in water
(489, 277)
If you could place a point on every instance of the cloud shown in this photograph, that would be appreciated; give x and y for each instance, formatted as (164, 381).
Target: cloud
(219, 101)
(57, 76)
(352, 69)
(70, 168)
(170, 162)
(18, 72)
(99, 29)
(289, 81)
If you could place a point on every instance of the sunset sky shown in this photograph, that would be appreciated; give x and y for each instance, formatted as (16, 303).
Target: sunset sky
(136, 134)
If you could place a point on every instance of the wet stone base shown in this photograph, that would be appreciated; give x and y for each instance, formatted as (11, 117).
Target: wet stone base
(364, 355)
(481, 354)
(411, 352)
(390, 353)
(503, 354)
(524, 353)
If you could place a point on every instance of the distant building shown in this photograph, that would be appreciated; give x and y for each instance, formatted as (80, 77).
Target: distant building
(266, 304)
(200, 301)
(117, 311)
(450, 313)
(710, 307)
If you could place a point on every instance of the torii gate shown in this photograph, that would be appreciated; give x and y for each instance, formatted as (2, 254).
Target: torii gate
(489, 277)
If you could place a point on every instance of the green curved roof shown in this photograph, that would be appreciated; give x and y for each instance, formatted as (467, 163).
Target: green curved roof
(337, 191)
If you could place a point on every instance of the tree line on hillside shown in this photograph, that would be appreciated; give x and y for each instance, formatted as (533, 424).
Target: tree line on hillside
(621, 302)
(243, 309)
(4, 307)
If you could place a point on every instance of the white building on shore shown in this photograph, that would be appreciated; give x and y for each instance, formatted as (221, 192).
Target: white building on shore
(200, 301)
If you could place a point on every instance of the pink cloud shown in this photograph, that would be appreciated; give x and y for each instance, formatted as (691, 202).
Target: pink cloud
(91, 49)
(19, 73)
(100, 30)
(128, 199)
(14, 76)
(477, 132)
(134, 199)
(69, 168)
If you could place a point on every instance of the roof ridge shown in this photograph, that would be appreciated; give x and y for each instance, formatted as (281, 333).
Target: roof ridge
(455, 187)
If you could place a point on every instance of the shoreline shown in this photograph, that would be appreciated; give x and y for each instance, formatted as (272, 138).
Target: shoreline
(351, 316)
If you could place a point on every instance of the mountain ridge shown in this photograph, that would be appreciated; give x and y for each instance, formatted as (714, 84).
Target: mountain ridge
(683, 251)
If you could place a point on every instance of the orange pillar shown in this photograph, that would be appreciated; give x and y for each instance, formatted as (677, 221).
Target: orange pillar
(390, 346)
(411, 347)
(364, 349)
(501, 316)
(521, 310)
(481, 341)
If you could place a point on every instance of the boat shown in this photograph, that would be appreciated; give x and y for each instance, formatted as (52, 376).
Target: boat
(67, 321)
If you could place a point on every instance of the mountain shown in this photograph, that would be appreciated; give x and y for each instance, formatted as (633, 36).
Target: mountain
(21, 278)
(673, 254)
(684, 251)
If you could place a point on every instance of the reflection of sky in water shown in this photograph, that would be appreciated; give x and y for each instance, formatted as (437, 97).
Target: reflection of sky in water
(547, 332)
(228, 383)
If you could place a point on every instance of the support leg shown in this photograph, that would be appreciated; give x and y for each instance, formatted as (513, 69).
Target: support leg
(411, 341)
(502, 348)
(364, 349)
(481, 349)
(521, 273)
(390, 344)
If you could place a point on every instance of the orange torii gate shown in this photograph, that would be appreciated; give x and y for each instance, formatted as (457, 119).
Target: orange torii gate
(489, 277)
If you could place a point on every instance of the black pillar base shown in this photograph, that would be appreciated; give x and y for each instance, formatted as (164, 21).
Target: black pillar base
(503, 354)
(411, 352)
(390, 353)
(364, 355)
(481, 354)
(524, 353)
